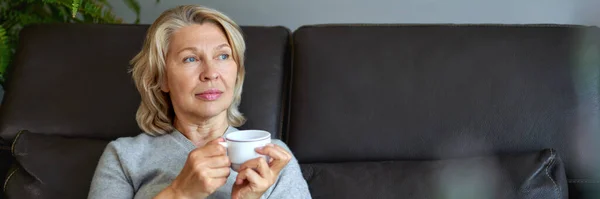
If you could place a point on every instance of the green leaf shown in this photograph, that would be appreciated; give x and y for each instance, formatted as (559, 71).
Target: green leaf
(23, 18)
(75, 7)
(59, 13)
(49, 1)
(5, 53)
(97, 13)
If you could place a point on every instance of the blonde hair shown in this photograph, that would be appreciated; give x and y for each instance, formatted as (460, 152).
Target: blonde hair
(155, 113)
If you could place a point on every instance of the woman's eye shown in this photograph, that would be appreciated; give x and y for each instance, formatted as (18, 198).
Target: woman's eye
(189, 59)
(223, 56)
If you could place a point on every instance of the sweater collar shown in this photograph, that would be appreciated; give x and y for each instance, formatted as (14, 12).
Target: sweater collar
(188, 144)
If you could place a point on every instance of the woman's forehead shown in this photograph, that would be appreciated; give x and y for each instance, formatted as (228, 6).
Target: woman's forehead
(199, 36)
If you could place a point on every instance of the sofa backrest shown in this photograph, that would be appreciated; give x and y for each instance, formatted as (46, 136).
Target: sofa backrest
(359, 94)
(427, 92)
(73, 80)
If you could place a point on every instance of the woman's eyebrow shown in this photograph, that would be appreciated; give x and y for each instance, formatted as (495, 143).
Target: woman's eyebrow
(188, 48)
(221, 46)
(194, 49)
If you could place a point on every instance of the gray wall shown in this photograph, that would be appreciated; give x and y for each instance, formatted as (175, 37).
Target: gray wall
(295, 13)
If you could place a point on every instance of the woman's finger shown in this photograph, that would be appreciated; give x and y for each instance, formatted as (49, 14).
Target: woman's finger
(263, 168)
(218, 172)
(279, 155)
(210, 151)
(252, 164)
(218, 162)
(270, 160)
(280, 148)
(252, 177)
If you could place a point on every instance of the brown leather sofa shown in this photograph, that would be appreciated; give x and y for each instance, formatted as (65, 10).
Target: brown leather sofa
(377, 111)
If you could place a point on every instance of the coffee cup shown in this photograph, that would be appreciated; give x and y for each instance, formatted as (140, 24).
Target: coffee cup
(241, 145)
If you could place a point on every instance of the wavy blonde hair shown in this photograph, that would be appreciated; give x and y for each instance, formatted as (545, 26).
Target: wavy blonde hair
(155, 113)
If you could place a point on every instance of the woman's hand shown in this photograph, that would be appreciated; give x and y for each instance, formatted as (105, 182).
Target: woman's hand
(205, 170)
(256, 176)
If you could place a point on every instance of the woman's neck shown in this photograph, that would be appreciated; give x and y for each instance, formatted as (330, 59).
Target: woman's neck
(201, 132)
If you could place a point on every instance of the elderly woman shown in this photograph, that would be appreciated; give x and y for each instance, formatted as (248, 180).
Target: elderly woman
(190, 74)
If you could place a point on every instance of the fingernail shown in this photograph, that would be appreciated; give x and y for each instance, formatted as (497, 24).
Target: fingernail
(270, 145)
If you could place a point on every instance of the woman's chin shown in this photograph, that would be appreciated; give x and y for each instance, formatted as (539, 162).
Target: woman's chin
(210, 113)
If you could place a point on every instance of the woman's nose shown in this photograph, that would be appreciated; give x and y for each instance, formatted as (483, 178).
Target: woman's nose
(210, 73)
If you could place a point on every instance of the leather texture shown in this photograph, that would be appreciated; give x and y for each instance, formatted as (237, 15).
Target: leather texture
(53, 166)
(423, 92)
(387, 110)
(535, 175)
(268, 66)
(73, 80)
(6, 161)
(584, 189)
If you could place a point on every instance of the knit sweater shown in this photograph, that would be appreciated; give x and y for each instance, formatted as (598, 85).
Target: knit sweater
(142, 166)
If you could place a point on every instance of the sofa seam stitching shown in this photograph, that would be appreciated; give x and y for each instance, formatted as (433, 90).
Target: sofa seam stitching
(556, 188)
(12, 147)
(8, 179)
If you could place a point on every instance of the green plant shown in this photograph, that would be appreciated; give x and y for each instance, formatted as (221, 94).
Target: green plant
(16, 14)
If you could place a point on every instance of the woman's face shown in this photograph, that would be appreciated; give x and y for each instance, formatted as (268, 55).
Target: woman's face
(201, 72)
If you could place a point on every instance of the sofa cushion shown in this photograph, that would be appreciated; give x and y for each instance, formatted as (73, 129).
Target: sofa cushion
(532, 175)
(53, 166)
(73, 80)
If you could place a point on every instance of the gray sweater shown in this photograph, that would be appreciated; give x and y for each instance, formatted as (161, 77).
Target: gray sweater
(142, 166)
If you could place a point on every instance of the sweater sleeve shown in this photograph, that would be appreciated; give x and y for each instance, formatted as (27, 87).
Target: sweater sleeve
(109, 179)
(291, 183)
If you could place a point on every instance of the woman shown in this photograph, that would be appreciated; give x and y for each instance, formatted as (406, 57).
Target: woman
(190, 74)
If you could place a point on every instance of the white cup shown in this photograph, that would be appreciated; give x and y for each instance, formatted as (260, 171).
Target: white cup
(241, 145)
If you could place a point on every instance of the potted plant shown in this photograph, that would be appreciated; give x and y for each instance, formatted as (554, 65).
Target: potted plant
(16, 14)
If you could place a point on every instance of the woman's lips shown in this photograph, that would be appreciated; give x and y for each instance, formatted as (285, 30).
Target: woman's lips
(209, 95)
